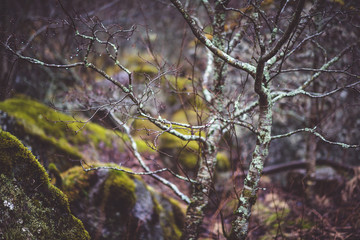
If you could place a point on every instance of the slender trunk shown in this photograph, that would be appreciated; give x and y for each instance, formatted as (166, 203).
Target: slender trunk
(200, 194)
(249, 192)
(310, 168)
(311, 142)
(201, 190)
(199, 197)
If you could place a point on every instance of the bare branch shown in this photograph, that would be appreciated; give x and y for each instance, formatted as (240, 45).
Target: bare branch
(312, 131)
(199, 35)
(137, 155)
(41, 63)
(300, 89)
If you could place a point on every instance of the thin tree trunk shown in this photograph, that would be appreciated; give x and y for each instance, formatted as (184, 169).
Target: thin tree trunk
(199, 197)
(249, 192)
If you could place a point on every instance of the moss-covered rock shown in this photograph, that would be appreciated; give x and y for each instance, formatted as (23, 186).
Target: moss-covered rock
(57, 137)
(30, 206)
(115, 205)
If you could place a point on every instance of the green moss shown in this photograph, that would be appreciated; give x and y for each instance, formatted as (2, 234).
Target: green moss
(188, 160)
(185, 152)
(143, 147)
(186, 116)
(179, 83)
(179, 212)
(143, 127)
(223, 163)
(140, 63)
(58, 128)
(34, 208)
(45, 123)
(172, 215)
(76, 183)
(54, 171)
(12, 155)
(59, 134)
(145, 68)
(99, 134)
(118, 193)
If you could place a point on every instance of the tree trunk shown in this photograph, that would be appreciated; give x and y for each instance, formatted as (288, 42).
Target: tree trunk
(249, 192)
(200, 194)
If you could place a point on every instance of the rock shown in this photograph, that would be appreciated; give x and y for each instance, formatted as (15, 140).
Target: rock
(116, 205)
(58, 138)
(30, 206)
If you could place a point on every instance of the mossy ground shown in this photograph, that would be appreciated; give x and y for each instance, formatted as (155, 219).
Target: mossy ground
(32, 208)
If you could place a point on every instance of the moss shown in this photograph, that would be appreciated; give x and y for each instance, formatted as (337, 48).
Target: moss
(58, 134)
(179, 212)
(45, 123)
(178, 83)
(54, 171)
(188, 160)
(143, 147)
(53, 126)
(223, 163)
(143, 127)
(99, 134)
(168, 140)
(104, 200)
(12, 155)
(145, 68)
(184, 152)
(118, 193)
(186, 116)
(34, 209)
(76, 183)
(140, 63)
(172, 215)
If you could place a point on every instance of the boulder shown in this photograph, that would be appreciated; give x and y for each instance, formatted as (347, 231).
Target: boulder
(30, 206)
(115, 205)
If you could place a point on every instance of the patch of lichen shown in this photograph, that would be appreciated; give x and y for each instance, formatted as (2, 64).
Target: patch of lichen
(33, 208)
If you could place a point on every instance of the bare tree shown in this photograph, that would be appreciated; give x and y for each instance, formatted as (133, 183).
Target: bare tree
(254, 65)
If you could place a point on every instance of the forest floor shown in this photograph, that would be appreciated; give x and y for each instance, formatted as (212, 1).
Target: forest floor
(281, 212)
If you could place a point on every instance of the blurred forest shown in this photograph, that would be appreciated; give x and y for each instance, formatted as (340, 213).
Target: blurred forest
(309, 187)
